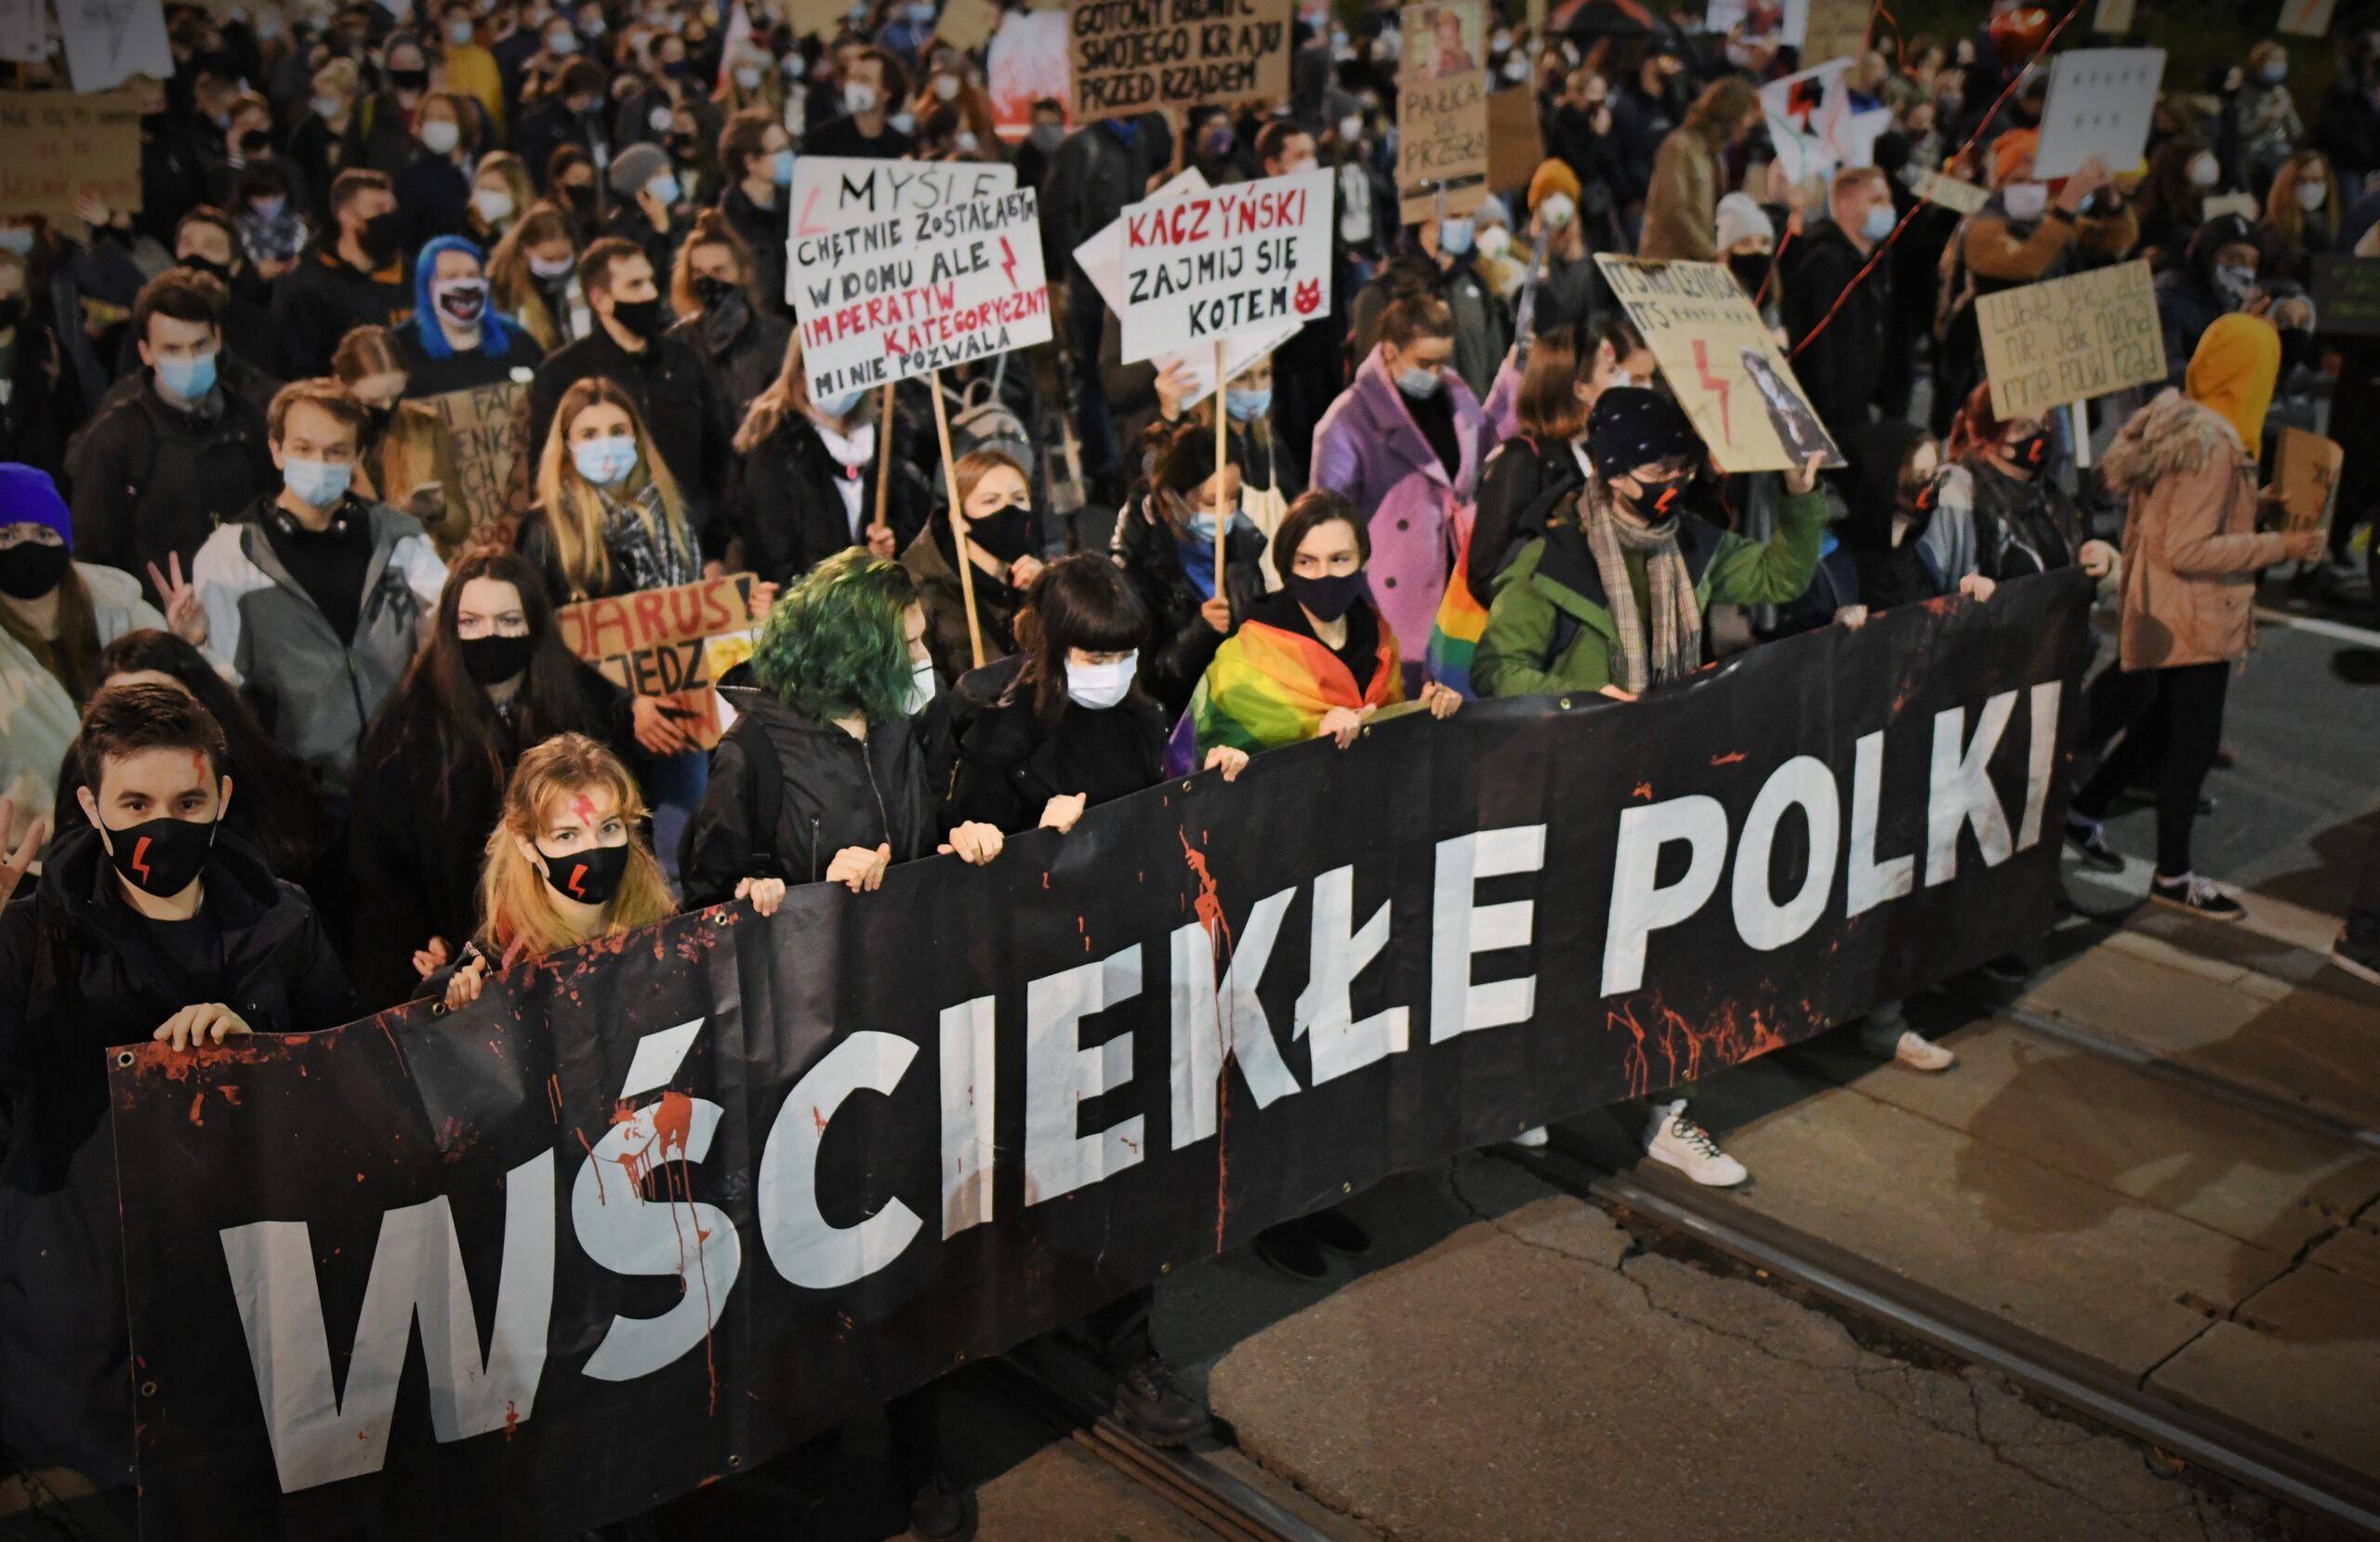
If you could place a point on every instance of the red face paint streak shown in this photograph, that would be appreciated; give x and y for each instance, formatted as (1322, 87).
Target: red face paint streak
(1644, 790)
(584, 807)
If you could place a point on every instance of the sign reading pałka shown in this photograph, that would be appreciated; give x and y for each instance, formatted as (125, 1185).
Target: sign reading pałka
(1199, 269)
(1138, 55)
(2066, 340)
(912, 294)
(1441, 103)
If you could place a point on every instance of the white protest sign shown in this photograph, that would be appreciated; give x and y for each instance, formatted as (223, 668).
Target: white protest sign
(2099, 104)
(109, 40)
(2305, 18)
(1207, 267)
(1809, 117)
(1762, 20)
(909, 294)
(24, 31)
(1101, 261)
(834, 193)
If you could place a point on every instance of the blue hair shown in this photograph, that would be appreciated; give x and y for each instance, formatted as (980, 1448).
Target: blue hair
(495, 333)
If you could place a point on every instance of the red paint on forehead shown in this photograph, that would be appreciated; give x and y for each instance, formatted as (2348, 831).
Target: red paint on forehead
(584, 807)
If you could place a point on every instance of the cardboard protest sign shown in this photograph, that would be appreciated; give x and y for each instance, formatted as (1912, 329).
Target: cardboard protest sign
(1137, 55)
(1951, 193)
(1102, 260)
(110, 39)
(670, 643)
(61, 145)
(24, 31)
(1836, 28)
(2098, 104)
(1770, 21)
(2347, 296)
(967, 24)
(2065, 340)
(2305, 18)
(1441, 109)
(1027, 54)
(1516, 138)
(2113, 17)
(1721, 363)
(911, 293)
(2305, 468)
(1206, 267)
(483, 427)
(815, 18)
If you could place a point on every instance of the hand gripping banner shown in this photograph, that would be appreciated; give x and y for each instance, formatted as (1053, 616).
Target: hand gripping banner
(648, 1213)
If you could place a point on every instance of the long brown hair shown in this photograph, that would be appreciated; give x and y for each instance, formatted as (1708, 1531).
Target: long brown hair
(74, 652)
(2317, 230)
(787, 396)
(519, 918)
(1720, 110)
(711, 229)
(1547, 406)
(574, 509)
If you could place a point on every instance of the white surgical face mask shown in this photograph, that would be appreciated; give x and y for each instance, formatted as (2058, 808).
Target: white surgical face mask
(920, 687)
(1099, 686)
(2205, 172)
(2311, 195)
(657, 120)
(1495, 240)
(858, 97)
(748, 76)
(2025, 199)
(494, 205)
(1351, 130)
(946, 87)
(1556, 210)
(439, 136)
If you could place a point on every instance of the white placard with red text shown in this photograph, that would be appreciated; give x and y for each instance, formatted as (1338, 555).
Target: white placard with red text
(1205, 266)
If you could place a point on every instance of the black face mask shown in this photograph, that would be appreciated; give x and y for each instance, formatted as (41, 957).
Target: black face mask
(713, 292)
(492, 659)
(591, 877)
(2029, 453)
(644, 318)
(1750, 269)
(161, 856)
(1327, 598)
(1658, 503)
(12, 310)
(200, 265)
(580, 196)
(31, 569)
(409, 80)
(381, 235)
(2295, 345)
(1007, 534)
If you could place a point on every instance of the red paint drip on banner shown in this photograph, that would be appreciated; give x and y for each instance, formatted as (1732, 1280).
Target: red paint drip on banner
(1208, 908)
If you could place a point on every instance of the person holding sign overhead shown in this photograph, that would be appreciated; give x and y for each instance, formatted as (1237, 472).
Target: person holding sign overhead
(1403, 445)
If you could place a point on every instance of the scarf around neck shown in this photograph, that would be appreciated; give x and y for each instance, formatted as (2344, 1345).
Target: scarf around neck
(1673, 648)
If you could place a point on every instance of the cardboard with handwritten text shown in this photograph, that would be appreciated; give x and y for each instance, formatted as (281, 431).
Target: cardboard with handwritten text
(1442, 110)
(61, 145)
(484, 426)
(2066, 340)
(670, 643)
(2305, 469)
(1142, 56)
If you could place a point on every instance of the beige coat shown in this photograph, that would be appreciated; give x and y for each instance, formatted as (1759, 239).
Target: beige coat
(2191, 549)
(1682, 201)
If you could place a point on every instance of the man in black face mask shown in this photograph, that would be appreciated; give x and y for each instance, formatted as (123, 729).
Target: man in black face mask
(351, 276)
(675, 392)
(152, 924)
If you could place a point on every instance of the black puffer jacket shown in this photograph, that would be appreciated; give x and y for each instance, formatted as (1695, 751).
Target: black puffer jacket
(2022, 528)
(1180, 644)
(79, 975)
(830, 791)
(1525, 481)
(1011, 763)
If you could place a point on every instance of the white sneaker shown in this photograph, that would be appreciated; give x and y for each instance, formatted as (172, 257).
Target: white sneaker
(1677, 1141)
(1916, 1051)
(1532, 1137)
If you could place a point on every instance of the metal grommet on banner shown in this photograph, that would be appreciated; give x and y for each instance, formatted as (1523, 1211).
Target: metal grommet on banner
(148, 1388)
(733, 1460)
(1564, 703)
(1186, 786)
(124, 1059)
(1346, 1188)
(1165, 1269)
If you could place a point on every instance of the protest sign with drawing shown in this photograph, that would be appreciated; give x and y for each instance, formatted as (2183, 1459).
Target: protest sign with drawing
(109, 41)
(1721, 363)
(1139, 56)
(1836, 29)
(2306, 470)
(2100, 104)
(61, 145)
(1442, 110)
(1027, 53)
(1811, 124)
(2066, 340)
(671, 643)
(1770, 22)
(1102, 260)
(24, 31)
(483, 429)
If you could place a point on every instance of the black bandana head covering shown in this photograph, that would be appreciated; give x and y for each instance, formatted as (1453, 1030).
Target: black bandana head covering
(1632, 427)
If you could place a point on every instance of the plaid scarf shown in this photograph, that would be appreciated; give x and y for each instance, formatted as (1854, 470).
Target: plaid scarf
(1674, 647)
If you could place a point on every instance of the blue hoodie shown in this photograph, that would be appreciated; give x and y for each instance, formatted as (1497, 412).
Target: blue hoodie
(495, 333)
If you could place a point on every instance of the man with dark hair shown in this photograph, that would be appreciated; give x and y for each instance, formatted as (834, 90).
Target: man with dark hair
(674, 389)
(351, 276)
(177, 451)
(316, 594)
(756, 194)
(152, 923)
(874, 87)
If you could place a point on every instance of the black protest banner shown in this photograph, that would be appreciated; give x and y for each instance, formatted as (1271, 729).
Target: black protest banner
(649, 1212)
(1144, 56)
(2347, 296)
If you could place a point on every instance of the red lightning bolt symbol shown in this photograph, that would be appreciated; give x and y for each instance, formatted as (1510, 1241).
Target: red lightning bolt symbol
(140, 859)
(577, 873)
(1008, 262)
(1715, 386)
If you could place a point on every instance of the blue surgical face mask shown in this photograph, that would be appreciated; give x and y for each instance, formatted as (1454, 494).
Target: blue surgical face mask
(1878, 223)
(1454, 236)
(663, 187)
(604, 461)
(1245, 405)
(187, 378)
(840, 404)
(317, 483)
(781, 168)
(17, 239)
(1419, 383)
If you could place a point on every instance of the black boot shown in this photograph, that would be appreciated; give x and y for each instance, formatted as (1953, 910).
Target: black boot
(1151, 1405)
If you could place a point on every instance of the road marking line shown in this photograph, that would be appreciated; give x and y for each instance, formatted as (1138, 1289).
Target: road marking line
(2337, 630)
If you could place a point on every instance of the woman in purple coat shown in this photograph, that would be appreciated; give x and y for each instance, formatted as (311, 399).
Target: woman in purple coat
(1402, 444)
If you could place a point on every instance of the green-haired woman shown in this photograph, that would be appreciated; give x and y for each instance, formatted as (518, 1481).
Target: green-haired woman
(826, 722)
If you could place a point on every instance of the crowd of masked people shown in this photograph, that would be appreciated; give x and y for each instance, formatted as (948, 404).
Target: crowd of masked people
(289, 732)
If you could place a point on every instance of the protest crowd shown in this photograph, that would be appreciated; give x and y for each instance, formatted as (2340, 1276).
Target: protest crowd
(445, 335)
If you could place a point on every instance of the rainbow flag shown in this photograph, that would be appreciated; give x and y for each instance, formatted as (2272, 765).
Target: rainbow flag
(1455, 632)
(1268, 687)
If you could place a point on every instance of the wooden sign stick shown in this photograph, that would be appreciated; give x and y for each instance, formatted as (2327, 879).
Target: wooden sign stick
(1223, 452)
(957, 518)
(2083, 435)
(883, 456)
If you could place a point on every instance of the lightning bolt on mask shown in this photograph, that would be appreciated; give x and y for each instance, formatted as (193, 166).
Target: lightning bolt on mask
(161, 856)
